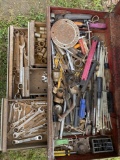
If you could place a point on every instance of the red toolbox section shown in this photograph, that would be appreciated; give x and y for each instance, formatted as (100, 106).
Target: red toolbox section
(83, 83)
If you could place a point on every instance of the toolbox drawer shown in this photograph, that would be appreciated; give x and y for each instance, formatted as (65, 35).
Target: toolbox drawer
(24, 111)
(109, 37)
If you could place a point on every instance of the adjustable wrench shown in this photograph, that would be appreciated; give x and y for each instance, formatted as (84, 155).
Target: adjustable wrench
(36, 138)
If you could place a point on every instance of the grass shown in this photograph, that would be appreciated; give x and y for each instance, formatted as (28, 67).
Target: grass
(22, 20)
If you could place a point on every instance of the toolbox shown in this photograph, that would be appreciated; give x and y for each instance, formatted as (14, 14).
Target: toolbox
(30, 85)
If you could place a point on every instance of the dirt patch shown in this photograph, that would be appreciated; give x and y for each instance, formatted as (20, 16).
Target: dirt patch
(10, 9)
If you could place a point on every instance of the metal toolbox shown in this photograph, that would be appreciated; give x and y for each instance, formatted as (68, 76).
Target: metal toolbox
(110, 37)
(24, 111)
(37, 95)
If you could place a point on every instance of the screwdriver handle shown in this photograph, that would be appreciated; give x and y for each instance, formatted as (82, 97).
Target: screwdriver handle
(82, 108)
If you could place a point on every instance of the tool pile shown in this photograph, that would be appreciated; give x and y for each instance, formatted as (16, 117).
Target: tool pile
(27, 122)
(82, 100)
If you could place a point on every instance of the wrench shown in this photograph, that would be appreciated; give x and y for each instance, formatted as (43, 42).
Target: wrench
(15, 107)
(29, 119)
(21, 63)
(35, 129)
(32, 130)
(23, 118)
(19, 113)
(10, 115)
(39, 137)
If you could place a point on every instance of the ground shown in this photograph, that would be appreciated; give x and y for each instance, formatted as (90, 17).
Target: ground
(18, 12)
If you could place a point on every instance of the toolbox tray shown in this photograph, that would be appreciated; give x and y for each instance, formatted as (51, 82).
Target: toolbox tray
(37, 89)
(111, 38)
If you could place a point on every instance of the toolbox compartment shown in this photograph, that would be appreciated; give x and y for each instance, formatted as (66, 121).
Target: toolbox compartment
(110, 37)
(30, 103)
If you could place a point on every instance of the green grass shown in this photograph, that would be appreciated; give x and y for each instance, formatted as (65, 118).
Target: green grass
(22, 20)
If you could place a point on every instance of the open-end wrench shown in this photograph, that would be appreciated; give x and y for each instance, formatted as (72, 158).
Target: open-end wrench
(19, 112)
(23, 118)
(35, 129)
(28, 131)
(36, 138)
(28, 120)
(10, 114)
(15, 107)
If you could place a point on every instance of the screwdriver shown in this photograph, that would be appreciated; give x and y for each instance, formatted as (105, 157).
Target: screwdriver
(63, 153)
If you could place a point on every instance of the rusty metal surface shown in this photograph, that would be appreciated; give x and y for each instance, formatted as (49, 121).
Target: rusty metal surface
(65, 33)
(117, 9)
(37, 86)
(115, 43)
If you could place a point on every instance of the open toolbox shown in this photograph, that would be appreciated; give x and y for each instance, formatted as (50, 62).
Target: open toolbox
(83, 83)
(24, 110)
